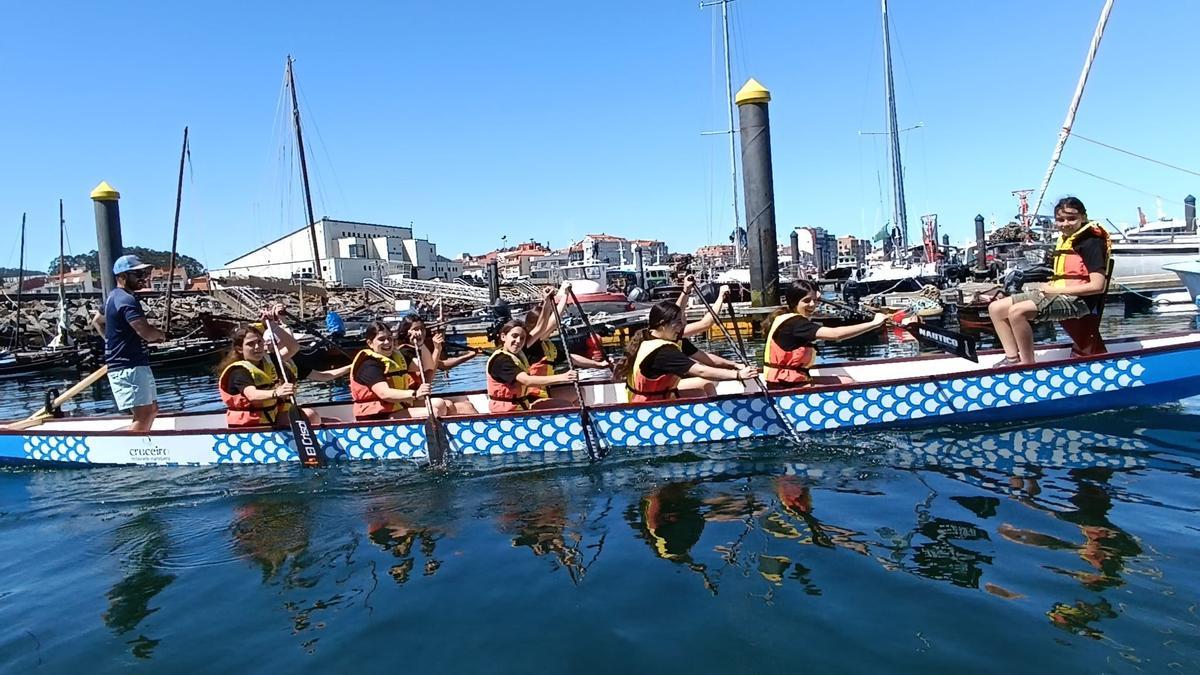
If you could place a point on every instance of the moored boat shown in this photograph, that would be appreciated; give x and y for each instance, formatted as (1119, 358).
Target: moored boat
(919, 391)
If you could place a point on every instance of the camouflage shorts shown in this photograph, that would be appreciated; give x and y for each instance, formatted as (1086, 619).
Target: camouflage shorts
(1054, 307)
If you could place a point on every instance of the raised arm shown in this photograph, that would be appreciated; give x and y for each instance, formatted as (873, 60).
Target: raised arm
(707, 321)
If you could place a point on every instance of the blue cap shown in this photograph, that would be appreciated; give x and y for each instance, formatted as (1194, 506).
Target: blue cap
(129, 263)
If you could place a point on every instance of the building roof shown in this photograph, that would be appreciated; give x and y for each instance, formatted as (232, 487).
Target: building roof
(322, 219)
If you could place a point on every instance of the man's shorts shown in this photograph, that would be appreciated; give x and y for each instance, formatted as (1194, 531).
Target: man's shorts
(132, 387)
(1054, 307)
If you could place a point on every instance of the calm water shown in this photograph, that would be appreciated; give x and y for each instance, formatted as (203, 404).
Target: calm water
(1069, 545)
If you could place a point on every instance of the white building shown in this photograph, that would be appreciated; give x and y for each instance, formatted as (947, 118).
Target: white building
(349, 253)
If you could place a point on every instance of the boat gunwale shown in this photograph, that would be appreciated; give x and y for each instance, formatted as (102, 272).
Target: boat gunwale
(212, 431)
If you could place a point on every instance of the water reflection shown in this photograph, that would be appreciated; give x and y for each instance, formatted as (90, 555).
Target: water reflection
(1045, 523)
(143, 545)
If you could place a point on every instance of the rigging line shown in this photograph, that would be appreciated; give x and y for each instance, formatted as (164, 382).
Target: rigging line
(312, 123)
(1134, 154)
(1172, 202)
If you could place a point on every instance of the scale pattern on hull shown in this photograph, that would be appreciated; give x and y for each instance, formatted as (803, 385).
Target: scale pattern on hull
(1073, 387)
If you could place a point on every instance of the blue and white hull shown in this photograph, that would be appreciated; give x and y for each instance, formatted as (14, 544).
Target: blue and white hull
(922, 391)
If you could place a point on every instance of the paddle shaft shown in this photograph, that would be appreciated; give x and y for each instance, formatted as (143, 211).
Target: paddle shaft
(791, 431)
(583, 315)
(584, 416)
(306, 444)
(41, 415)
(437, 452)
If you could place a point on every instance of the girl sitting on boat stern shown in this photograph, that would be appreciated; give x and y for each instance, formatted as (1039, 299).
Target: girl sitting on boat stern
(660, 365)
(508, 377)
(380, 379)
(249, 378)
(415, 334)
(543, 353)
(1075, 290)
(791, 334)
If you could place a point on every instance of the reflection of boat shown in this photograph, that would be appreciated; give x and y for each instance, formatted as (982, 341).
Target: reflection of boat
(923, 390)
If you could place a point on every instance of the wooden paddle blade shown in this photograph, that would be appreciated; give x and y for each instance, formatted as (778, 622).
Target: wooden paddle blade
(435, 444)
(307, 447)
(962, 346)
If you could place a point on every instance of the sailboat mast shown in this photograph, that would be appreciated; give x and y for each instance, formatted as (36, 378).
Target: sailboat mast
(312, 223)
(1074, 107)
(899, 212)
(175, 232)
(737, 226)
(62, 224)
(20, 285)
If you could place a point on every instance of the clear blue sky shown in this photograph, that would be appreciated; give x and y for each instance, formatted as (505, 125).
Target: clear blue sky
(549, 120)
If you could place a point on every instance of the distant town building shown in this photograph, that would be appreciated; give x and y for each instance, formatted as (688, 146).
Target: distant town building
(75, 280)
(819, 244)
(158, 279)
(617, 250)
(852, 251)
(349, 252)
(540, 268)
(719, 256)
(516, 263)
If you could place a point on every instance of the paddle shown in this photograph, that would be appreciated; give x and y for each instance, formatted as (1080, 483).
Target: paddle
(951, 342)
(584, 415)
(307, 447)
(433, 430)
(45, 413)
(586, 322)
(741, 353)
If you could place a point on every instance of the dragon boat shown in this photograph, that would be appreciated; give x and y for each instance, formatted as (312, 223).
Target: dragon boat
(928, 390)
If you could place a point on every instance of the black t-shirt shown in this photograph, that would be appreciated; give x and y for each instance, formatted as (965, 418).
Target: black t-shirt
(1092, 250)
(240, 378)
(668, 361)
(369, 373)
(537, 351)
(503, 369)
(795, 333)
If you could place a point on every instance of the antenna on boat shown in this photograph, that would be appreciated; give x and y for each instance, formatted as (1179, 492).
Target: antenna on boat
(312, 223)
(737, 226)
(16, 339)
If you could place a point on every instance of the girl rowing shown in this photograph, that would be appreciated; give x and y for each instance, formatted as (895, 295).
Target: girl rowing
(380, 379)
(707, 321)
(250, 382)
(543, 352)
(661, 365)
(792, 334)
(415, 335)
(508, 376)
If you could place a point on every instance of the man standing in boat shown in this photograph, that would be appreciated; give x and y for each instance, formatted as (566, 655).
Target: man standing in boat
(126, 332)
(1075, 290)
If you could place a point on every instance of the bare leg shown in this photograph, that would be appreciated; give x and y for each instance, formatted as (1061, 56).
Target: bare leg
(1019, 317)
(999, 311)
(143, 417)
(691, 387)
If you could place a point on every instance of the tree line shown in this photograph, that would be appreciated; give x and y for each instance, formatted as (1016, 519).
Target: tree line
(91, 260)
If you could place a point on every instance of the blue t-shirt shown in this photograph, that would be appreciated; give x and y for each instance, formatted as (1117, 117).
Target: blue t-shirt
(334, 323)
(123, 347)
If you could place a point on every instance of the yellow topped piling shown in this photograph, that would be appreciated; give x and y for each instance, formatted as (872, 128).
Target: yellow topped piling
(752, 92)
(105, 193)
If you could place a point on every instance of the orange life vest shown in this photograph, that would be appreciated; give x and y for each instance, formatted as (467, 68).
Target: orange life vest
(786, 366)
(1068, 264)
(502, 397)
(543, 366)
(641, 388)
(241, 411)
(395, 372)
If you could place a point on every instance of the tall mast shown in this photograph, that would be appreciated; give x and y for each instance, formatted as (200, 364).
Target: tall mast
(62, 271)
(20, 285)
(312, 223)
(737, 240)
(899, 213)
(1074, 107)
(175, 231)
